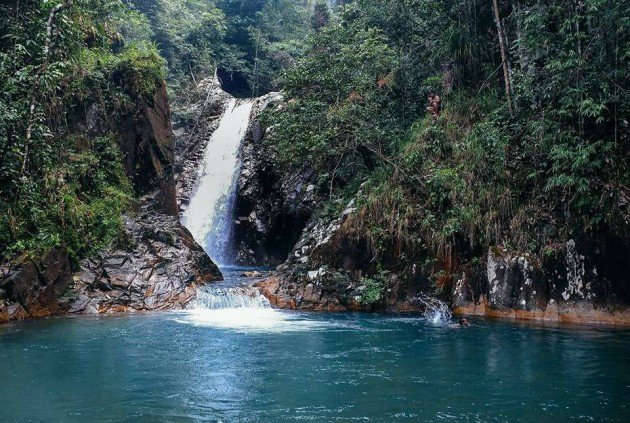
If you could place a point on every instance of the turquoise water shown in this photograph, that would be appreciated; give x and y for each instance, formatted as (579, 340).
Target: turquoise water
(263, 365)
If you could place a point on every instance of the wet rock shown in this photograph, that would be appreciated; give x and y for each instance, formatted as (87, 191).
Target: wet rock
(33, 287)
(272, 204)
(564, 287)
(163, 276)
(254, 274)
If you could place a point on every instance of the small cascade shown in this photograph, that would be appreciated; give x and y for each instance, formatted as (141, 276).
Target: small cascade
(209, 215)
(234, 304)
(436, 311)
(229, 298)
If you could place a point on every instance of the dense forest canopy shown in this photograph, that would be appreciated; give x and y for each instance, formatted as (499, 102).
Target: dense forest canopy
(531, 147)
(249, 42)
(61, 184)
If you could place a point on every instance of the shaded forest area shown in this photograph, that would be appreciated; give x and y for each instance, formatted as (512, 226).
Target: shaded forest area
(530, 150)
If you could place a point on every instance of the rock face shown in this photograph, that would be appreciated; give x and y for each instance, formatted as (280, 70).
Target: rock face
(567, 286)
(159, 265)
(33, 288)
(146, 141)
(159, 268)
(272, 205)
(145, 138)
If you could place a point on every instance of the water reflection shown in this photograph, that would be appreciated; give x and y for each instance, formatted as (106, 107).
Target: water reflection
(321, 367)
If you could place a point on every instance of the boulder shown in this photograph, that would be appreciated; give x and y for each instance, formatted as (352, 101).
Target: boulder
(159, 268)
(33, 287)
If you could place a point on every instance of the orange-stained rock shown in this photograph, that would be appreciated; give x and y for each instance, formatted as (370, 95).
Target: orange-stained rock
(567, 312)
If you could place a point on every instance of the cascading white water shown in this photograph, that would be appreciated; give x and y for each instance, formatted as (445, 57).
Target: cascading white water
(234, 304)
(210, 212)
(436, 311)
(229, 298)
(209, 217)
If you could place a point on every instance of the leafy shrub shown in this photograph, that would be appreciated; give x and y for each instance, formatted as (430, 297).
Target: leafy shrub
(373, 289)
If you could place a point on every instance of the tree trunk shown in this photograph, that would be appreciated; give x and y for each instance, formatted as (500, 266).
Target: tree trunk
(504, 57)
(525, 54)
(50, 24)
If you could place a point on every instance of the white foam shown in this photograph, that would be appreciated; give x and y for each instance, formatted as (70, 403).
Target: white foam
(246, 319)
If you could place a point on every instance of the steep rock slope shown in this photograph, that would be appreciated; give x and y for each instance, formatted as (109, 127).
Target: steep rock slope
(271, 206)
(159, 268)
(156, 266)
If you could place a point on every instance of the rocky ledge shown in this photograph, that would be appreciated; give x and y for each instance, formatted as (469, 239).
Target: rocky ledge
(159, 268)
(572, 283)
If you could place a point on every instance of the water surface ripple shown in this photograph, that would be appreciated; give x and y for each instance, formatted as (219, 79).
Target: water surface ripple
(190, 366)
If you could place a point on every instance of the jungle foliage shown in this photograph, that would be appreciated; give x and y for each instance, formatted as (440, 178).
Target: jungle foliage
(249, 42)
(532, 146)
(59, 183)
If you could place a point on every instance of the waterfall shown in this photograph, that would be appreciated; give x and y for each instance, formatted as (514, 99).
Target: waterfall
(209, 216)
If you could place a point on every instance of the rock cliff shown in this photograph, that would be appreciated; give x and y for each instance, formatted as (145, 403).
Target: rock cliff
(157, 266)
(146, 141)
(272, 205)
(325, 271)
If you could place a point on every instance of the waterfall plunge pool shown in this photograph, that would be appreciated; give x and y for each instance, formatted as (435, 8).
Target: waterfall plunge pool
(256, 364)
